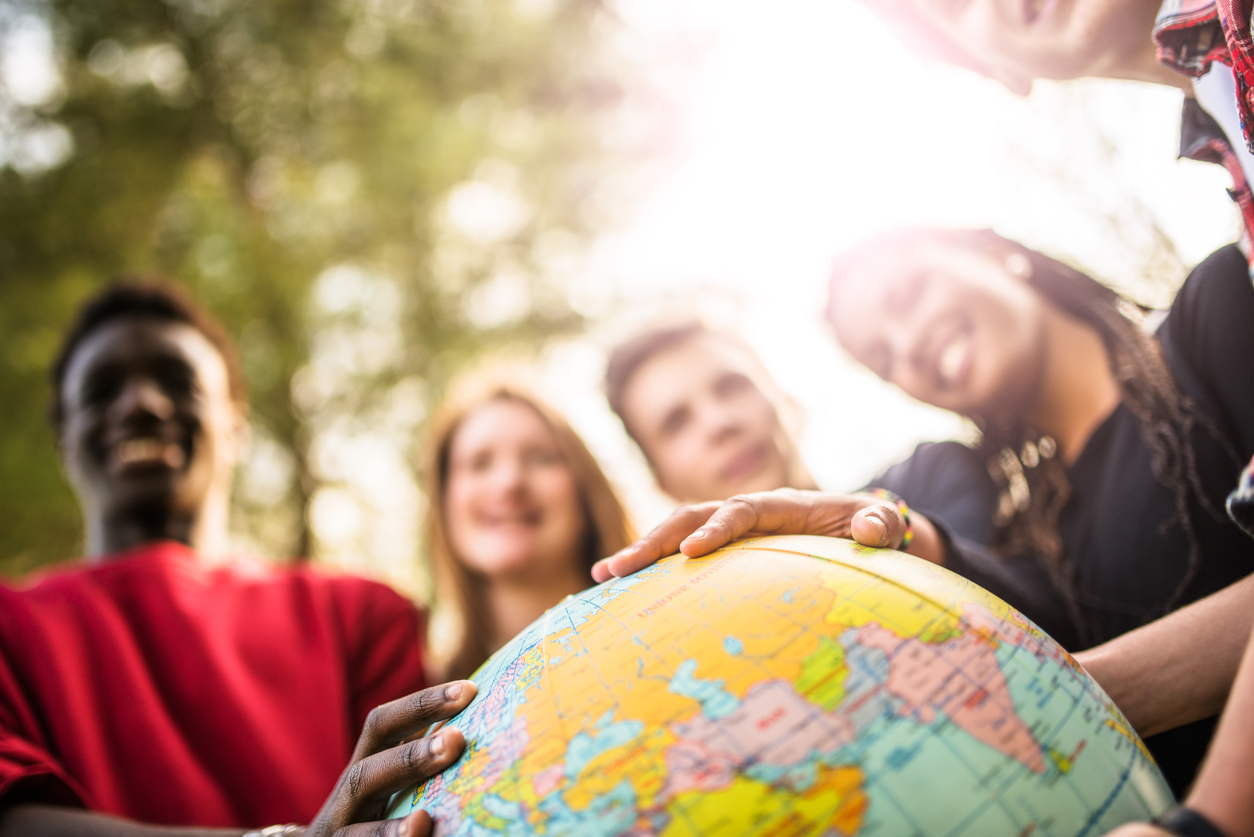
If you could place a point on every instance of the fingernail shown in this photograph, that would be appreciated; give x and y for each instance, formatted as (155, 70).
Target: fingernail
(881, 528)
(697, 535)
(627, 550)
(453, 691)
(402, 830)
(437, 745)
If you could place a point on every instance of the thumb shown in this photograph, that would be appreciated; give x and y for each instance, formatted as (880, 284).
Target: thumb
(417, 824)
(880, 525)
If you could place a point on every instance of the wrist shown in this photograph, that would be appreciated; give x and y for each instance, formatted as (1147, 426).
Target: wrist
(1183, 821)
(1223, 800)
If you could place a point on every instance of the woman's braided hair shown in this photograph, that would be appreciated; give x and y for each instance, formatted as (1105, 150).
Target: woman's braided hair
(1033, 481)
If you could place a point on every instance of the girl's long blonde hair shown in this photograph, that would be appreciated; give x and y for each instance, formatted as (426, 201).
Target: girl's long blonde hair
(460, 593)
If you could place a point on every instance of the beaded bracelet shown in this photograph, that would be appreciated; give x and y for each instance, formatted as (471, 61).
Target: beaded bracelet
(903, 509)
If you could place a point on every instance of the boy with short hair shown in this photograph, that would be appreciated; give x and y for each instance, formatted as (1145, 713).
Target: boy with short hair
(149, 685)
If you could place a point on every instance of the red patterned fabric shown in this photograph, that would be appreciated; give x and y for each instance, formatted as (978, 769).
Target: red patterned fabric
(1190, 37)
(160, 689)
(1234, 16)
(1202, 139)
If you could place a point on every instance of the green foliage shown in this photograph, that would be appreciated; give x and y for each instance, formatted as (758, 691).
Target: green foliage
(368, 192)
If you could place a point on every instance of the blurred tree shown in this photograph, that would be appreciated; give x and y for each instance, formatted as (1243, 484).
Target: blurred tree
(369, 192)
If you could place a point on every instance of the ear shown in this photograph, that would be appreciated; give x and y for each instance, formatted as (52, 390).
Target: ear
(1016, 83)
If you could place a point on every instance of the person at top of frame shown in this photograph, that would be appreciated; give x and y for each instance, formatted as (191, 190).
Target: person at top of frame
(163, 684)
(1200, 46)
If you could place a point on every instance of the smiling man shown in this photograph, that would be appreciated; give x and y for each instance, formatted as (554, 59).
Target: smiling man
(160, 680)
(707, 416)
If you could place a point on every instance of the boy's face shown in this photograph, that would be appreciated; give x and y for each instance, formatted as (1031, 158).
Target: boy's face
(1022, 40)
(701, 414)
(150, 427)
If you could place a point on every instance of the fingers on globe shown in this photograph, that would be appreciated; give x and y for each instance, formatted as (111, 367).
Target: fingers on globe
(735, 517)
(601, 571)
(391, 756)
(417, 824)
(406, 717)
(879, 525)
(371, 782)
(784, 511)
(663, 540)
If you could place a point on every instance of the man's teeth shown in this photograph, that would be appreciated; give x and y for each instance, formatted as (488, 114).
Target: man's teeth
(134, 451)
(952, 357)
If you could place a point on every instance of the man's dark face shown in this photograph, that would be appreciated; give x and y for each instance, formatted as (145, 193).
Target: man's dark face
(150, 428)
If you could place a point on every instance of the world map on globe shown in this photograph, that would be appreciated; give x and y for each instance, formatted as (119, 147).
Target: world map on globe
(789, 685)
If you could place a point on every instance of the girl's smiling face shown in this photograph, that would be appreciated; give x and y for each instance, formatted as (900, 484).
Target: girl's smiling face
(954, 326)
(512, 504)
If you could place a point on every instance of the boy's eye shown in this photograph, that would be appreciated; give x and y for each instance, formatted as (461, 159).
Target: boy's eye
(100, 392)
(176, 379)
(177, 384)
(100, 388)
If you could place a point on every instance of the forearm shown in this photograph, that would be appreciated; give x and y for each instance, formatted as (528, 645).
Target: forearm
(55, 821)
(1179, 668)
(927, 543)
(1224, 791)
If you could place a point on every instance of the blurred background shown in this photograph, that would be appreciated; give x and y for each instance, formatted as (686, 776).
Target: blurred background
(375, 194)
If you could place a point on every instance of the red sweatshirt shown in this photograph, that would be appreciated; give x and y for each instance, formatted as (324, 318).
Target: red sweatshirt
(155, 688)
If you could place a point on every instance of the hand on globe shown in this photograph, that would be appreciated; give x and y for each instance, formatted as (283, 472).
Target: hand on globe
(701, 528)
(389, 758)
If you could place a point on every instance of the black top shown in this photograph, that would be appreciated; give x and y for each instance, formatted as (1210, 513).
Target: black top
(948, 483)
(1116, 527)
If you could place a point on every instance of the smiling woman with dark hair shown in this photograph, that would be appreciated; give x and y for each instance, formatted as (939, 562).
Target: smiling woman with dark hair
(1114, 447)
(1084, 415)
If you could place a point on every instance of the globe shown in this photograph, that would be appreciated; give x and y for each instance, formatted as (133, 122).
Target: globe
(789, 686)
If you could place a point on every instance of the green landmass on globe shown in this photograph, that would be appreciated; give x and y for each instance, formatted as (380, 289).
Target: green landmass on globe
(789, 686)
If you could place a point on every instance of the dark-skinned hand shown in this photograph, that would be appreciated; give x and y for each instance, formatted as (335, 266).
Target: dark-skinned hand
(391, 757)
(700, 529)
